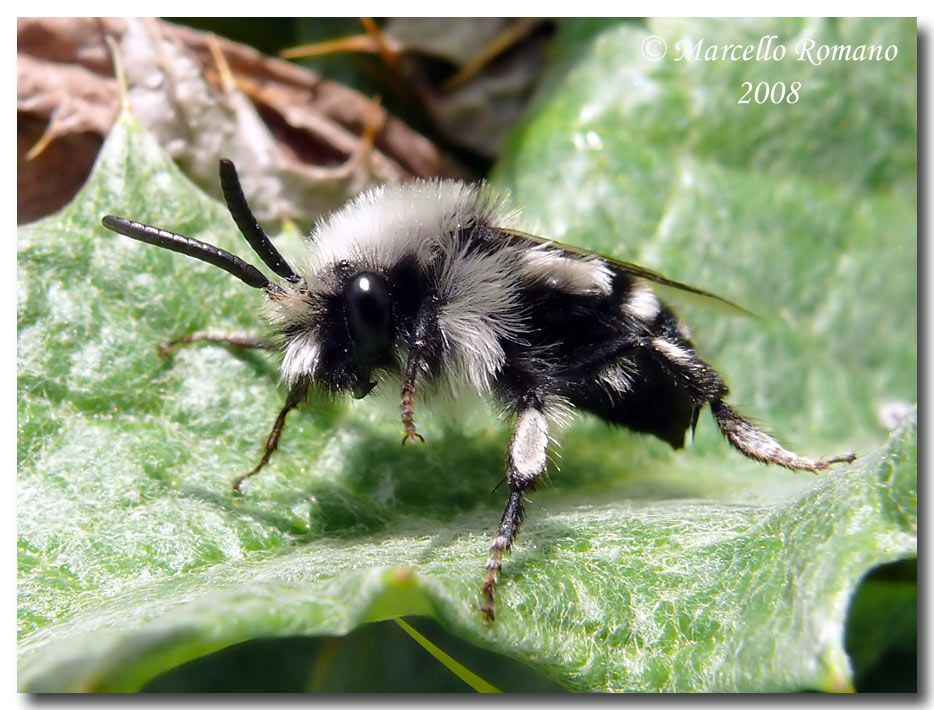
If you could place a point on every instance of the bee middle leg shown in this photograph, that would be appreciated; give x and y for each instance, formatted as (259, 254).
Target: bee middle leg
(527, 460)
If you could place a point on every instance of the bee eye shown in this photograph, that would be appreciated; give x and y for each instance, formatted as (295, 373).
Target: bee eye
(369, 313)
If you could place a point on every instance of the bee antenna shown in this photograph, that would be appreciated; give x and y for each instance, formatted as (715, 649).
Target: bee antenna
(188, 246)
(247, 224)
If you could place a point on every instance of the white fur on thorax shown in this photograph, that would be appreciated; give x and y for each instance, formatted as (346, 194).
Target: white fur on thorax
(585, 276)
(642, 303)
(481, 307)
(380, 227)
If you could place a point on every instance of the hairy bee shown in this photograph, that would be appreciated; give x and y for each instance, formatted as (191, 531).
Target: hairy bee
(430, 283)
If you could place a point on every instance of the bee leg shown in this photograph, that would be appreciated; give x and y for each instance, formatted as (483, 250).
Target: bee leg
(706, 387)
(527, 459)
(294, 398)
(236, 340)
(756, 444)
(409, 379)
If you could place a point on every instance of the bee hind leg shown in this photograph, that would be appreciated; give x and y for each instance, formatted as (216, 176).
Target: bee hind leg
(704, 386)
(756, 444)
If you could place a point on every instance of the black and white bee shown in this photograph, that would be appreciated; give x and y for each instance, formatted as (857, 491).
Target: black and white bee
(430, 285)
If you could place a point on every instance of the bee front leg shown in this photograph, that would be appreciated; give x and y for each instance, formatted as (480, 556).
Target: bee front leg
(409, 379)
(294, 398)
(527, 460)
(424, 348)
(236, 340)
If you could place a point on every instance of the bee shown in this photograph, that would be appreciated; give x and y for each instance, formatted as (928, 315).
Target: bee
(430, 285)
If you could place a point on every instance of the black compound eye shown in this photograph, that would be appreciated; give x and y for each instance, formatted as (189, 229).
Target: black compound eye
(369, 313)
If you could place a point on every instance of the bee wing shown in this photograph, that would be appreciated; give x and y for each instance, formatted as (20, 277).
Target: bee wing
(660, 280)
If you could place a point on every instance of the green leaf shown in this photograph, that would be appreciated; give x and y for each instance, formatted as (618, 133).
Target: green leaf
(639, 568)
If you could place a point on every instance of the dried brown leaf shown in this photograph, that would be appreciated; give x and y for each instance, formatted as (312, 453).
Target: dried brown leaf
(297, 139)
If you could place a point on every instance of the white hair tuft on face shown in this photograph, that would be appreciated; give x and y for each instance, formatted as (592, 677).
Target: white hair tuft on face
(300, 358)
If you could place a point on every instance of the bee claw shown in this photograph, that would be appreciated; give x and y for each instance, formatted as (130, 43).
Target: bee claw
(411, 436)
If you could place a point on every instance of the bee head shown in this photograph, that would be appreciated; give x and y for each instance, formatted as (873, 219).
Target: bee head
(339, 329)
(368, 313)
